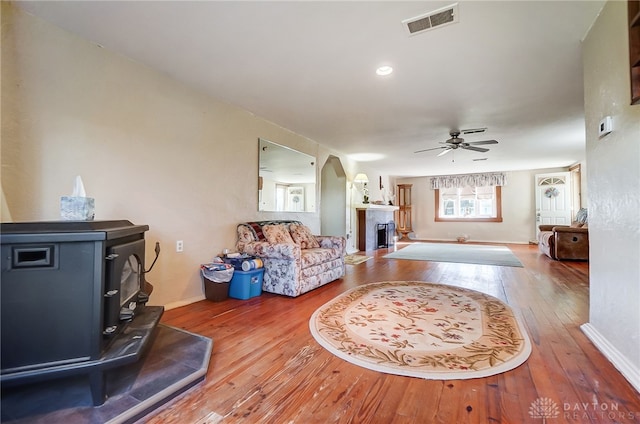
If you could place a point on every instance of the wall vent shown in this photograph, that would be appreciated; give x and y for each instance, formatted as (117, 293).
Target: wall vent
(434, 19)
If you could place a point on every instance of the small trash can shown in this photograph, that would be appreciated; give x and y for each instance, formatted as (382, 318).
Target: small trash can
(216, 278)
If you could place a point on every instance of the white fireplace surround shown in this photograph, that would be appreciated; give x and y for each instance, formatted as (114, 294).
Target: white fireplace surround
(369, 215)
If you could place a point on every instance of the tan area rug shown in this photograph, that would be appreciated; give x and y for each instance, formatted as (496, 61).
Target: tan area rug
(460, 253)
(356, 259)
(424, 330)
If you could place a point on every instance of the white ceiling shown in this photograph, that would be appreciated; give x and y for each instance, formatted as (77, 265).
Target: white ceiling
(512, 66)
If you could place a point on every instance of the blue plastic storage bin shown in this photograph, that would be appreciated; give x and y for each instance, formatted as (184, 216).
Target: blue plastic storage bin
(246, 284)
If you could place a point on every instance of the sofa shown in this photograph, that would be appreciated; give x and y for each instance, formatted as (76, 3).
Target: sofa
(566, 242)
(295, 261)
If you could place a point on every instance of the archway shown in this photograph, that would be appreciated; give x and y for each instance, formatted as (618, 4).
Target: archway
(333, 195)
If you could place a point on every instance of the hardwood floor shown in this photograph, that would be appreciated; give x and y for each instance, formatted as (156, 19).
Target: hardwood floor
(267, 368)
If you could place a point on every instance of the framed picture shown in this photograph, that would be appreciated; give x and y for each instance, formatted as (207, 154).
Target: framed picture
(295, 196)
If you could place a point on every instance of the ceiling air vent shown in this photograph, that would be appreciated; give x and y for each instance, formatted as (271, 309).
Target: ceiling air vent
(435, 19)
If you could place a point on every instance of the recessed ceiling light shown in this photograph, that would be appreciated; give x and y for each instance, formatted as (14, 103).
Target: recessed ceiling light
(384, 70)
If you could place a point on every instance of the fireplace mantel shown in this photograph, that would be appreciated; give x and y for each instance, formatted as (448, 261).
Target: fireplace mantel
(376, 207)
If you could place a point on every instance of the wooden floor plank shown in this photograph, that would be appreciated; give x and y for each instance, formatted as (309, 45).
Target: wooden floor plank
(267, 368)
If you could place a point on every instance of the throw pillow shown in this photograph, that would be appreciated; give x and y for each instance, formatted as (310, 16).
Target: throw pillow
(277, 233)
(257, 230)
(302, 236)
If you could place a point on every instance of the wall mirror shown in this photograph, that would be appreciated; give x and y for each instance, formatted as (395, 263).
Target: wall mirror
(286, 179)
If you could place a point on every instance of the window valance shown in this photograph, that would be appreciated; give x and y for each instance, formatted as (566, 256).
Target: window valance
(469, 180)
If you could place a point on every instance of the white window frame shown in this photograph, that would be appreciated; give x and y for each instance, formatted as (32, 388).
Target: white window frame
(442, 202)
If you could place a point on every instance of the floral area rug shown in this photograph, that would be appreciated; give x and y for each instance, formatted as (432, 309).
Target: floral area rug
(424, 330)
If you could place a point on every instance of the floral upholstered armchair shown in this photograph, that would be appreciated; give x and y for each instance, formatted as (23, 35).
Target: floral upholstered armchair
(295, 260)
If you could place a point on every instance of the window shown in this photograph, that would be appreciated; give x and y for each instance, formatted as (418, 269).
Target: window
(281, 197)
(469, 204)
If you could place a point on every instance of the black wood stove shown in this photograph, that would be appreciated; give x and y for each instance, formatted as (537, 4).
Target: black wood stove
(73, 297)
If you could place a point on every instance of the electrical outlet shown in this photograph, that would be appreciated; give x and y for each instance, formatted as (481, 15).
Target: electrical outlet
(179, 246)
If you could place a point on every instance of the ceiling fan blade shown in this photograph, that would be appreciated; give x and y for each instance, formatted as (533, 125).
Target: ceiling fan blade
(473, 130)
(434, 148)
(444, 152)
(484, 142)
(475, 149)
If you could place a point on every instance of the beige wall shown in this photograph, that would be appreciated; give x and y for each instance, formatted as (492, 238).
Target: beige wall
(149, 149)
(613, 178)
(518, 212)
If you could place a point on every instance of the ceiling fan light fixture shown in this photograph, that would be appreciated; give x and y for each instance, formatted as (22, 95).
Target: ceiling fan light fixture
(455, 142)
(384, 70)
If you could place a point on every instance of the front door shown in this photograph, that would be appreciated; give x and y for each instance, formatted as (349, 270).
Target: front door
(553, 199)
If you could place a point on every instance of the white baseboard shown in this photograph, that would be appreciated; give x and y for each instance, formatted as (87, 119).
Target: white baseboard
(622, 364)
(184, 302)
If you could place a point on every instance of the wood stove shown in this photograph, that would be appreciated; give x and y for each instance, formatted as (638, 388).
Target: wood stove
(72, 300)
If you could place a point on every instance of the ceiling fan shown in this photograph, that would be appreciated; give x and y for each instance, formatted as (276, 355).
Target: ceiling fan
(455, 142)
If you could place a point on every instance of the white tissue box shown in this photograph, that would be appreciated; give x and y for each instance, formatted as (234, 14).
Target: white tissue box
(74, 208)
